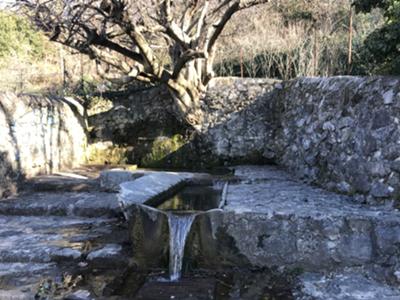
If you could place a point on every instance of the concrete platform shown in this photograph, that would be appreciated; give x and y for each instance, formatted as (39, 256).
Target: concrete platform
(272, 220)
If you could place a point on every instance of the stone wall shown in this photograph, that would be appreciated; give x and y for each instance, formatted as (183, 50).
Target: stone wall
(38, 135)
(126, 132)
(341, 133)
(238, 122)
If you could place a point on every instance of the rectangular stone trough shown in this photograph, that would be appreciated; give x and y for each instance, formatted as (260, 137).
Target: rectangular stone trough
(144, 203)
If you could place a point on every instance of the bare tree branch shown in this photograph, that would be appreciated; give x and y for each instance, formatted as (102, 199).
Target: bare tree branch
(166, 41)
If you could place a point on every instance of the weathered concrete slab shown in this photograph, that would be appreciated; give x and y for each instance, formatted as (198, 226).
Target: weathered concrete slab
(16, 295)
(62, 182)
(150, 188)
(111, 179)
(109, 255)
(272, 220)
(93, 204)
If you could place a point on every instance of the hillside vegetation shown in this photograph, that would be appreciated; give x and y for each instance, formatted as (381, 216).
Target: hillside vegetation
(29, 62)
(285, 39)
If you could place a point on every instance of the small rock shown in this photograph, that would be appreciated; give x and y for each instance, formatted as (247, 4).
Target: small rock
(301, 122)
(344, 187)
(381, 190)
(391, 152)
(79, 295)
(388, 97)
(381, 119)
(66, 254)
(397, 275)
(82, 264)
(395, 166)
(328, 126)
(346, 122)
(306, 144)
(378, 169)
(361, 183)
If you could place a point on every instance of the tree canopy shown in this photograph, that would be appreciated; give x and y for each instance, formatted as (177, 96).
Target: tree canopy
(158, 41)
(18, 38)
(381, 52)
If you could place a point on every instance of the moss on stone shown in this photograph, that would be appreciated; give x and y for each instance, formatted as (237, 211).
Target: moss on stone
(107, 153)
(161, 148)
(97, 105)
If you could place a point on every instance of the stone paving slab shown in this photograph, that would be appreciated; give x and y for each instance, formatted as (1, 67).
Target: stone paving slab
(271, 191)
(34, 248)
(61, 183)
(47, 239)
(111, 179)
(85, 204)
(22, 274)
(346, 285)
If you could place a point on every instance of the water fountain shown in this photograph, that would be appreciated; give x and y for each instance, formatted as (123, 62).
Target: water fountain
(179, 228)
(181, 210)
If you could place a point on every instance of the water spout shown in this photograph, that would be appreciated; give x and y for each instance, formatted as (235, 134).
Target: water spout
(179, 228)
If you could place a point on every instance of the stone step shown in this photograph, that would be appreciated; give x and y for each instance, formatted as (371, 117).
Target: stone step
(59, 239)
(344, 285)
(81, 204)
(69, 182)
(37, 248)
(22, 274)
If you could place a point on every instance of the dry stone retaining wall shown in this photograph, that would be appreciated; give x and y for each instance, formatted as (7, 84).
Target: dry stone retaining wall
(342, 133)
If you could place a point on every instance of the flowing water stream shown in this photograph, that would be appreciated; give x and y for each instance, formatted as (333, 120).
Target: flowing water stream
(182, 210)
(179, 228)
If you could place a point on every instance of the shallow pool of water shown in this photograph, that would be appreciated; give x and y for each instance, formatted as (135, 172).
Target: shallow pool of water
(193, 198)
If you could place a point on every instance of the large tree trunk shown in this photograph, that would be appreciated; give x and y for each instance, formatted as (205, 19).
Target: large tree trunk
(186, 97)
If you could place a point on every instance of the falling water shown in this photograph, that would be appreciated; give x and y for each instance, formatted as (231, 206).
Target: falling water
(179, 227)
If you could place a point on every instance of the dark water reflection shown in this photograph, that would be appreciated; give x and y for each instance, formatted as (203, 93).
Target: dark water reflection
(228, 285)
(193, 198)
